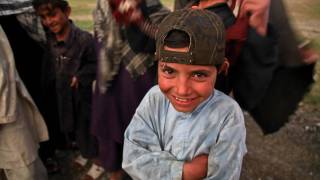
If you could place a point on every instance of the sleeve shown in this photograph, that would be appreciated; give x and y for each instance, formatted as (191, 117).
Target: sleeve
(154, 12)
(143, 154)
(88, 64)
(225, 158)
(255, 68)
(8, 92)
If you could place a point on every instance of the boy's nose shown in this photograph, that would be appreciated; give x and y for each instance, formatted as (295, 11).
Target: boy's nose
(47, 21)
(182, 87)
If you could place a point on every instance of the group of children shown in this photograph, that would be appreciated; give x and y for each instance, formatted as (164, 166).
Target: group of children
(181, 128)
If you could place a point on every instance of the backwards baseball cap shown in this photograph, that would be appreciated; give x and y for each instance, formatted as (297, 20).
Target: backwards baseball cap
(206, 37)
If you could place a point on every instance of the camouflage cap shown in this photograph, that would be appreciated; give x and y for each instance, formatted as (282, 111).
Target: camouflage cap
(207, 37)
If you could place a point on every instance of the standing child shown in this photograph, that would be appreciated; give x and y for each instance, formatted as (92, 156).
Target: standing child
(184, 128)
(73, 65)
(125, 74)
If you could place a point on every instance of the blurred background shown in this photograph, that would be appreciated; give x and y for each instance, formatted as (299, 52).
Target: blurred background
(294, 151)
(304, 16)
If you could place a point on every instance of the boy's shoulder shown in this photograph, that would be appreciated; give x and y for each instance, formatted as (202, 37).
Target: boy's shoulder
(223, 102)
(82, 35)
(155, 93)
(154, 97)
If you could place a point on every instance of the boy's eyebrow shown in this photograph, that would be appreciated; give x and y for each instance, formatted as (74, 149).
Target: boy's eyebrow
(164, 65)
(201, 71)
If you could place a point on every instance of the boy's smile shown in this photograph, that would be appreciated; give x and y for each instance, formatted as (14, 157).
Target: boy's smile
(186, 86)
(55, 19)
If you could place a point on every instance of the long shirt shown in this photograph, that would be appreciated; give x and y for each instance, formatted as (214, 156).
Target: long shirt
(160, 139)
(21, 124)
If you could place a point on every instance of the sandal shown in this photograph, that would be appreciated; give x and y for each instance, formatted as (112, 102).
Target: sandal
(80, 162)
(94, 172)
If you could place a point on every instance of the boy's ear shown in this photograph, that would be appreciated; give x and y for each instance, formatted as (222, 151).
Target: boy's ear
(68, 11)
(224, 67)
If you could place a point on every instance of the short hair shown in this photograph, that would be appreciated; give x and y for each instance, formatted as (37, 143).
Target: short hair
(177, 39)
(62, 4)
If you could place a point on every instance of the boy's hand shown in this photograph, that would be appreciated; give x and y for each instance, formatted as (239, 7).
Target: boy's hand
(195, 169)
(74, 82)
(258, 14)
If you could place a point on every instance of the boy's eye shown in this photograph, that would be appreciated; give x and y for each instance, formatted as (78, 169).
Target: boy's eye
(167, 71)
(199, 75)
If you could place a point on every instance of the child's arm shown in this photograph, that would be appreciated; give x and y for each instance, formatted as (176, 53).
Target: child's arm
(225, 156)
(144, 156)
(195, 169)
(87, 69)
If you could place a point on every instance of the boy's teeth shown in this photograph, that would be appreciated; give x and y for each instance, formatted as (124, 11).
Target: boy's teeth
(179, 99)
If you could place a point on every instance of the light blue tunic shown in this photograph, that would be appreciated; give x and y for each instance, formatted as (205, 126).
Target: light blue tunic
(159, 139)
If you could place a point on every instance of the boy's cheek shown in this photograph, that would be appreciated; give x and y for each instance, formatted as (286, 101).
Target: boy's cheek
(163, 86)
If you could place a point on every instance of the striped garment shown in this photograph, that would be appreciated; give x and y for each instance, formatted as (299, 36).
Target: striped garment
(115, 49)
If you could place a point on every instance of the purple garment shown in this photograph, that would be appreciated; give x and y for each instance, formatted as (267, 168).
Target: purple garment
(112, 113)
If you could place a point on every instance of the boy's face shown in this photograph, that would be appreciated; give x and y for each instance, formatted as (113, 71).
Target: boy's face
(54, 18)
(186, 86)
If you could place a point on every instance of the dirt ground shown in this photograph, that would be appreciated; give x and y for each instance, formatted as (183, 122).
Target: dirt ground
(293, 152)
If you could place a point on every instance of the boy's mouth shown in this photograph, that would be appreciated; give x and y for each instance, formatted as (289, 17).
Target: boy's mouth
(183, 104)
(182, 99)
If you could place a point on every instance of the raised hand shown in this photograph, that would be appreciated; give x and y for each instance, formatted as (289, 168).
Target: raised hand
(258, 14)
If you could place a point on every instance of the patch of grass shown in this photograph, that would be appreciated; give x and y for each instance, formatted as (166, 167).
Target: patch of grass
(83, 8)
(316, 43)
(168, 3)
(315, 10)
(314, 96)
(85, 24)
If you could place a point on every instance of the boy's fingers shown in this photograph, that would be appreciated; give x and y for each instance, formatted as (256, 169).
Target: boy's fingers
(254, 6)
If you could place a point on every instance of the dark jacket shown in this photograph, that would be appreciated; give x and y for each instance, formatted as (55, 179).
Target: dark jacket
(74, 57)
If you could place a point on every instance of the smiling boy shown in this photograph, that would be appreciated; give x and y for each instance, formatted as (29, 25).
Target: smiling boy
(184, 128)
(71, 67)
